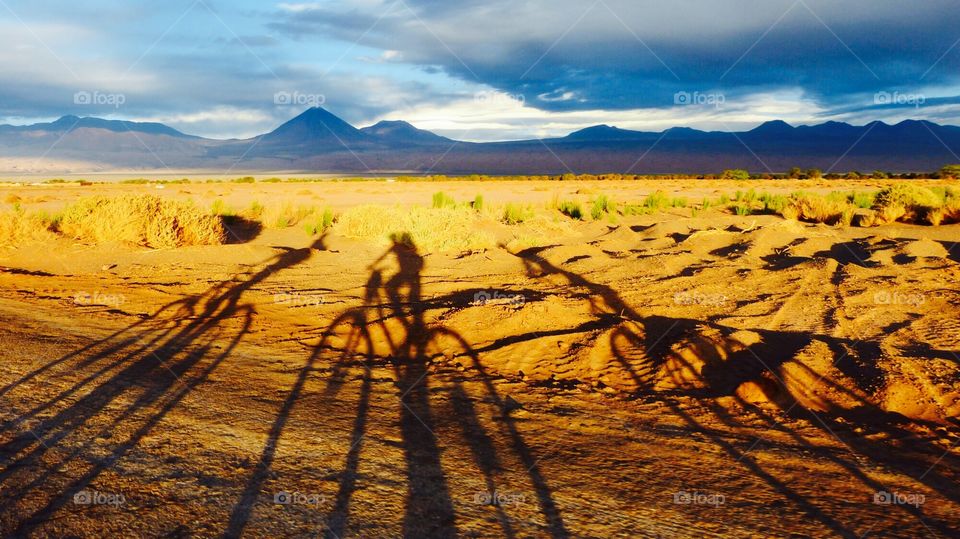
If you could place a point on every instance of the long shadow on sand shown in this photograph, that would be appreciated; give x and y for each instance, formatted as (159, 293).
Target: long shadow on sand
(389, 331)
(135, 377)
(140, 374)
(659, 339)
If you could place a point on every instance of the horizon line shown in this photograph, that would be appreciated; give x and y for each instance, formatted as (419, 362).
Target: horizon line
(304, 111)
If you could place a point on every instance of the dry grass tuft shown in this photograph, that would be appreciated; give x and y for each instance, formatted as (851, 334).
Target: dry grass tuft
(904, 202)
(17, 226)
(145, 220)
(818, 209)
(947, 214)
(439, 229)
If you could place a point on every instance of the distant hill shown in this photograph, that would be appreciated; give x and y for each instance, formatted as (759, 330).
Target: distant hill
(68, 124)
(319, 141)
(402, 133)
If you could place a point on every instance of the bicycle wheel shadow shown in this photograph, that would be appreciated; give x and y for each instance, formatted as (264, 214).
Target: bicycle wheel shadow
(700, 359)
(390, 331)
(141, 373)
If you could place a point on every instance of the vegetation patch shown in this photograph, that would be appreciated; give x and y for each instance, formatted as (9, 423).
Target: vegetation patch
(818, 209)
(144, 220)
(443, 229)
(910, 204)
(514, 214)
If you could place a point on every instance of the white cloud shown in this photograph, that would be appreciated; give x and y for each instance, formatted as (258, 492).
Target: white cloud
(219, 122)
(484, 118)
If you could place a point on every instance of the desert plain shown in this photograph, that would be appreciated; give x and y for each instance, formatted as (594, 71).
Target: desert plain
(684, 372)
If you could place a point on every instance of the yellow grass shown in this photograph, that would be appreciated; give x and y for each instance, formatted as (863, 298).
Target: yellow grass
(818, 209)
(17, 226)
(145, 220)
(280, 215)
(431, 229)
(904, 202)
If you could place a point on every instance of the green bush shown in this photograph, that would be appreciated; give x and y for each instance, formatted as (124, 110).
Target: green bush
(735, 174)
(442, 200)
(320, 223)
(602, 205)
(514, 214)
(570, 209)
(657, 200)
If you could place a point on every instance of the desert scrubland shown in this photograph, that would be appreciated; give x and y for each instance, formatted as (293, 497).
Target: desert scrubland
(482, 359)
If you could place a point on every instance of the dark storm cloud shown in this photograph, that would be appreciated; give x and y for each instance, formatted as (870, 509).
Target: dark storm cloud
(622, 54)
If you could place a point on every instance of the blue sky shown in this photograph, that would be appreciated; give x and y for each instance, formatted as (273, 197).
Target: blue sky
(482, 69)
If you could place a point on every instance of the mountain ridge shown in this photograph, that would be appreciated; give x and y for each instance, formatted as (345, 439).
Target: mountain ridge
(318, 140)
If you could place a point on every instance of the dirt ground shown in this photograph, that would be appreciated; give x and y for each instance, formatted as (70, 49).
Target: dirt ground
(662, 376)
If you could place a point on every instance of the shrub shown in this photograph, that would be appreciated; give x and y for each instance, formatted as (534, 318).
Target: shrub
(735, 174)
(817, 209)
(220, 209)
(17, 226)
(862, 200)
(284, 215)
(319, 223)
(478, 203)
(256, 209)
(950, 171)
(747, 197)
(602, 205)
(949, 213)
(679, 202)
(514, 214)
(571, 209)
(773, 203)
(144, 220)
(906, 202)
(442, 200)
(441, 229)
(635, 209)
(657, 200)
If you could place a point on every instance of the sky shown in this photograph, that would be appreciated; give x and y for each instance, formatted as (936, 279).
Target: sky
(481, 69)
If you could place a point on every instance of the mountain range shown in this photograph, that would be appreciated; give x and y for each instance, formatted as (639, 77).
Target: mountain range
(319, 141)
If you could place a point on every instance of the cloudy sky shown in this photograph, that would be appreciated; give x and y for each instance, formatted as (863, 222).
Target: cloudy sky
(481, 69)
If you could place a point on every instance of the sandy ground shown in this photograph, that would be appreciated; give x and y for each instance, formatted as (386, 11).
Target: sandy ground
(665, 376)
